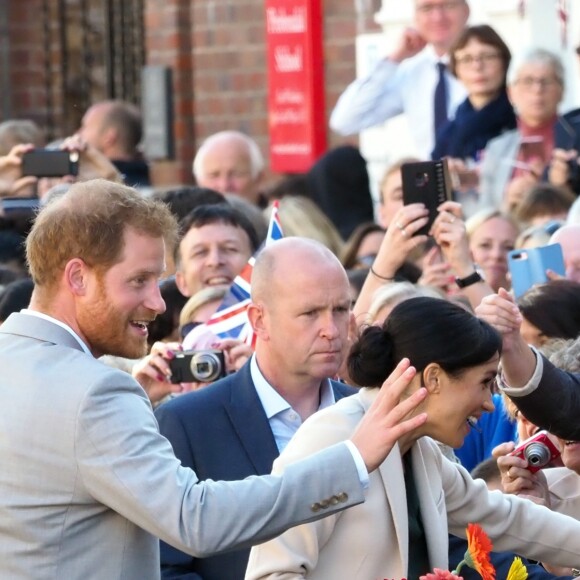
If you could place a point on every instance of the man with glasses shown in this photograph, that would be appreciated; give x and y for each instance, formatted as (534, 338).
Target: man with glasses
(413, 79)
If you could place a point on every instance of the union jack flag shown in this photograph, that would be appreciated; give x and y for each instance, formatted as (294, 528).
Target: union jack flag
(231, 320)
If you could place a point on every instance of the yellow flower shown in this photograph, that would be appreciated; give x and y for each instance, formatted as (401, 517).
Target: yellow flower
(517, 570)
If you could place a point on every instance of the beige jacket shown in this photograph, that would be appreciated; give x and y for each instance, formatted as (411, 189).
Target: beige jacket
(370, 541)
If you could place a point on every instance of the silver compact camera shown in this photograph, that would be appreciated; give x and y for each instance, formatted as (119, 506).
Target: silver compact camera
(197, 366)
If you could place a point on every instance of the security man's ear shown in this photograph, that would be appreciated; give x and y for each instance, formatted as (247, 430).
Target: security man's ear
(256, 317)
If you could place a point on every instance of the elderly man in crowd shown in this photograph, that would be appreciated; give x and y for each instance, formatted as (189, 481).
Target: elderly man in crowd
(231, 162)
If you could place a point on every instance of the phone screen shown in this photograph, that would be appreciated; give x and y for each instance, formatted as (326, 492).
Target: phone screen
(533, 149)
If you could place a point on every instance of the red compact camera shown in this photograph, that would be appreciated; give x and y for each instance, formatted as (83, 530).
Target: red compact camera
(539, 450)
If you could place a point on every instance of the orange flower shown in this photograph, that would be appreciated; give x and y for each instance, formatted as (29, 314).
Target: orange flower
(478, 548)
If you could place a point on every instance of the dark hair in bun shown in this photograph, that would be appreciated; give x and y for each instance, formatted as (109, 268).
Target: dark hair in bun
(424, 330)
(370, 357)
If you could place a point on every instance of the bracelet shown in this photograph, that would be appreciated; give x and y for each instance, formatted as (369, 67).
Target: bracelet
(381, 277)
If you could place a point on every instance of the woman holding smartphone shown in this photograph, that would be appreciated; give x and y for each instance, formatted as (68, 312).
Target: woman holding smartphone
(515, 161)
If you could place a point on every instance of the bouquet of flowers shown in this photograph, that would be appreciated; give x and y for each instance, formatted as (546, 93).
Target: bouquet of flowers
(479, 547)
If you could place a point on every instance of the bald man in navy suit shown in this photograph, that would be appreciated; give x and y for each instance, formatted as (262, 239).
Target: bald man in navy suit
(235, 428)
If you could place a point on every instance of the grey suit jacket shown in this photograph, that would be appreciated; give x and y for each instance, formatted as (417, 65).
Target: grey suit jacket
(87, 482)
(497, 168)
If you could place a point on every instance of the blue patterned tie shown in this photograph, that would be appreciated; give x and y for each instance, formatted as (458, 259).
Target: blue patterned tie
(440, 101)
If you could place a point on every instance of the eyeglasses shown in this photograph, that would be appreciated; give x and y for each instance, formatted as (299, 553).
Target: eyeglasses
(428, 9)
(529, 82)
(470, 59)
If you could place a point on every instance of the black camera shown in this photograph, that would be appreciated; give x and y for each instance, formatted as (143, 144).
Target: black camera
(197, 366)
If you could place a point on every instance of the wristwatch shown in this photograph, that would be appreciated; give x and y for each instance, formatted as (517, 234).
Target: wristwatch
(473, 278)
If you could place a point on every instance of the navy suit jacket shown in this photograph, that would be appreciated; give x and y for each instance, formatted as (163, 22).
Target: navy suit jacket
(222, 432)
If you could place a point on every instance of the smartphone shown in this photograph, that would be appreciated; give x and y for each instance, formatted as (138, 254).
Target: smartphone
(528, 267)
(426, 182)
(533, 148)
(50, 163)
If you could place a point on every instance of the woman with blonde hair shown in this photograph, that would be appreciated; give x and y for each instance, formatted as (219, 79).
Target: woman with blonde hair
(301, 217)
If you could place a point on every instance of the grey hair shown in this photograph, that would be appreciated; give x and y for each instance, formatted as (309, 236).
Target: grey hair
(536, 56)
(567, 355)
(256, 158)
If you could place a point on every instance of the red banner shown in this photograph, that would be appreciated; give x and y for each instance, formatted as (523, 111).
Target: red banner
(295, 84)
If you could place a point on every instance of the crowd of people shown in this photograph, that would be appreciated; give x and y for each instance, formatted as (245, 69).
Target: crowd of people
(391, 371)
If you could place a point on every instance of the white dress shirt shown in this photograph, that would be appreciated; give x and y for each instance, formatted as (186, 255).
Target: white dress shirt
(284, 420)
(391, 89)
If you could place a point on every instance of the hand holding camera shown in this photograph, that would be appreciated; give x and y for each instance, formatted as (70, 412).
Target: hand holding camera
(197, 366)
(516, 478)
(539, 451)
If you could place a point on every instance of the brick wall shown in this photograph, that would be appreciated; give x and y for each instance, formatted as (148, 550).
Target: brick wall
(216, 50)
(229, 66)
(26, 60)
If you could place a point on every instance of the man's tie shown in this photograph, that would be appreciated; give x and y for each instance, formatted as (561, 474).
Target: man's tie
(440, 100)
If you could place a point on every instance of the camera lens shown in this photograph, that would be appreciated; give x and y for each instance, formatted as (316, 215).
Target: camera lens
(537, 454)
(206, 367)
(421, 179)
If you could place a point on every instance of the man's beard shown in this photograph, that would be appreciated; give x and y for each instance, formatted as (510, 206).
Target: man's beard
(108, 330)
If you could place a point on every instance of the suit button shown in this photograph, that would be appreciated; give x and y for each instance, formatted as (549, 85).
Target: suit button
(324, 503)
(333, 500)
(316, 507)
(342, 497)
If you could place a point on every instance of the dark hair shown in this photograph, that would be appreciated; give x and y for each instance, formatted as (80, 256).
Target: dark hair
(554, 308)
(15, 297)
(12, 248)
(294, 184)
(425, 330)
(184, 199)
(350, 249)
(486, 35)
(487, 470)
(542, 199)
(216, 214)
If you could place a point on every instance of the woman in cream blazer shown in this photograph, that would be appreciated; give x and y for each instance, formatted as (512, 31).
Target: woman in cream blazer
(456, 356)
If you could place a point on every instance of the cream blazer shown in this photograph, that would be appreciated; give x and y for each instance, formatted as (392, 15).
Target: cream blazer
(370, 541)
(564, 486)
